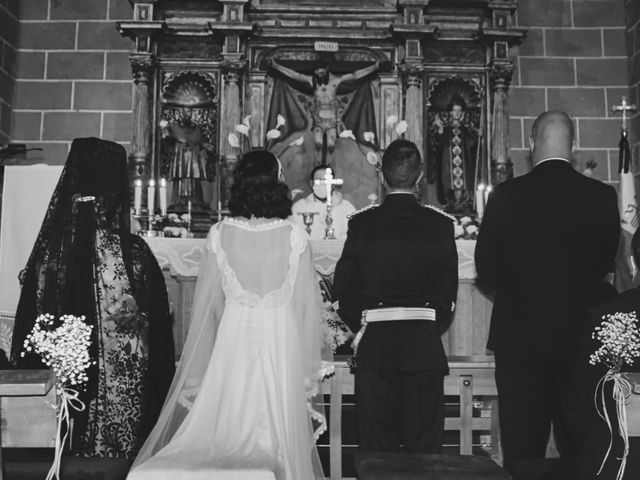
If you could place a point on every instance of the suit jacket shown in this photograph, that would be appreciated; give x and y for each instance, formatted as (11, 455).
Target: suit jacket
(547, 240)
(398, 254)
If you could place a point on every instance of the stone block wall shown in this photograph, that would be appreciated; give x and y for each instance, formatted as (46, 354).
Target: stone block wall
(73, 77)
(72, 73)
(8, 39)
(633, 53)
(573, 59)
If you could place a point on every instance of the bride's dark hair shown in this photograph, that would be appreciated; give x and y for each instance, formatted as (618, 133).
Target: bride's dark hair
(256, 190)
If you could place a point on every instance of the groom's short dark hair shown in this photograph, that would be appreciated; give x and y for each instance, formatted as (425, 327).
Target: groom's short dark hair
(401, 164)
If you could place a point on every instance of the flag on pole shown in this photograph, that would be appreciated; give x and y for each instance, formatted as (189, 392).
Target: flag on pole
(625, 271)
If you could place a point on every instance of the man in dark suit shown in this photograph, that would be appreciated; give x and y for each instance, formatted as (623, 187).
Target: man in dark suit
(547, 240)
(399, 274)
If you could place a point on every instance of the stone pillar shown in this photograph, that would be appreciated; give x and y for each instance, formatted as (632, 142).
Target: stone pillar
(501, 166)
(257, 107)
(391, 97)
(142, 66)
(413, 108)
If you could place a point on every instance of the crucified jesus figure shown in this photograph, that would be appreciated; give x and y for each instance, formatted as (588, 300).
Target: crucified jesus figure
(325, 87)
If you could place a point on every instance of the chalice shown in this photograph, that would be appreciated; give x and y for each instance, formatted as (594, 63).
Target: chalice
(307, 219)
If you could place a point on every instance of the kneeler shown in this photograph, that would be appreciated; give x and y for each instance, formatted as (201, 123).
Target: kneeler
(422, 466)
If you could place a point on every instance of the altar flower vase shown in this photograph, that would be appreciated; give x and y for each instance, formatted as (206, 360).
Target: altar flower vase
(369, 137)
(233, 140)
(273, 134)
(347, 134)
(297, 142)
(401, 128)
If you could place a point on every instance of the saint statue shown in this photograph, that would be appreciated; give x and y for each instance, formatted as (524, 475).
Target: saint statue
(188, 130)
(190, 163)
(455, 146)
(325, 115)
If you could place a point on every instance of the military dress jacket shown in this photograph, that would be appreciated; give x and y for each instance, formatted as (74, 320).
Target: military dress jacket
(398, 254)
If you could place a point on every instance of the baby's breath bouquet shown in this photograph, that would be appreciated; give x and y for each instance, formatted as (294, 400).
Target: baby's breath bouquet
(620, 345)
(65, 350)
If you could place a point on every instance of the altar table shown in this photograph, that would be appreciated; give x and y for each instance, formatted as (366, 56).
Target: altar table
(180, 259)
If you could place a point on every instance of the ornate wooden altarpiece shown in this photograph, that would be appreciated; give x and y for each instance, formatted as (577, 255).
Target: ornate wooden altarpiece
(203, 67)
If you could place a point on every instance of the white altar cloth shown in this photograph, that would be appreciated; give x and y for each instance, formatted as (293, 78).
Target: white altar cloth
(182, 256)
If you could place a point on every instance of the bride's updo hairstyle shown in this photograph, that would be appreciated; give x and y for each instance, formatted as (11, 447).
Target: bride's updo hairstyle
(257, 190)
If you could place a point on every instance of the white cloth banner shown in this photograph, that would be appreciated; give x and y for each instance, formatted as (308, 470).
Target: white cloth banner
(26, 194)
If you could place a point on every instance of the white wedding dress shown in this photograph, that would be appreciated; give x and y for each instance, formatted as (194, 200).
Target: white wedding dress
(240, 404)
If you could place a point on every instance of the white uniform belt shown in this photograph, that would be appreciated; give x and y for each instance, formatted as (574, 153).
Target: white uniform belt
(391, 314)
(398, 313)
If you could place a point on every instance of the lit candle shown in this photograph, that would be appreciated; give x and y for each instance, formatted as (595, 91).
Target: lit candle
(163, 197)
(189, 210)
(151, 197)
(487, 191)
(480, 200)
(137, 196)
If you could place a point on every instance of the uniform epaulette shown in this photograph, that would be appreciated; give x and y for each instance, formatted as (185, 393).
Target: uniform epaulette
(442, 212)
(364, 209)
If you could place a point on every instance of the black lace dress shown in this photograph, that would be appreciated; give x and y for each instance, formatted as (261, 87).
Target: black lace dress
(86, 262)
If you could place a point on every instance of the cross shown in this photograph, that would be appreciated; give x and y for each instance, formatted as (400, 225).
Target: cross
(624, 107)
(329, 181)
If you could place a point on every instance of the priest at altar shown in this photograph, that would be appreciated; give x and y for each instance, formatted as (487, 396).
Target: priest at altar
(311, 211)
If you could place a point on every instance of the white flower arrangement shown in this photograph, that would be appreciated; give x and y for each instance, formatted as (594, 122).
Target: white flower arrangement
(65, 350)
(620, 345)
(335, 332)
(466, 228)
(620, 341)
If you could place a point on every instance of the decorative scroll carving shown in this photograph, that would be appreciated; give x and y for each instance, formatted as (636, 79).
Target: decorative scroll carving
(455, 53)
(175, 47)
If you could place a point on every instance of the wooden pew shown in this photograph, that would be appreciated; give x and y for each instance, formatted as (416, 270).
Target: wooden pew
(27, 409)
(468, 377)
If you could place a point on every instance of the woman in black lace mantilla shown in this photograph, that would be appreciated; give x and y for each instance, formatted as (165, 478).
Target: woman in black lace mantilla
(86, 262)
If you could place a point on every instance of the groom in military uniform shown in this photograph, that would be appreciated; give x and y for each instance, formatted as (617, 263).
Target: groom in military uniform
(397, 279)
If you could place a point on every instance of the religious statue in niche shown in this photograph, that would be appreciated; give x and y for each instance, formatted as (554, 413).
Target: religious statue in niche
(187, 118)
(455, 156)
(329, 100)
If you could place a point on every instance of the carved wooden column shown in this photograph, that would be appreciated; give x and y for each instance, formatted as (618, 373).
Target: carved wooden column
(142, 30)
(231, 108)
(142, 65)
(501, 166)
(257, 107)
(413, 107)
(391, 96)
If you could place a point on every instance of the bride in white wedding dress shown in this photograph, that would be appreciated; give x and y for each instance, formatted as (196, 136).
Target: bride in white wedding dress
(240, 405)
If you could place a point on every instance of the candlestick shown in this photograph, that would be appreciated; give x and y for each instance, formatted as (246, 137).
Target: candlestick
(163, 197)
(480, 201)
(487, 191)
(137, 196)
(151, 197)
